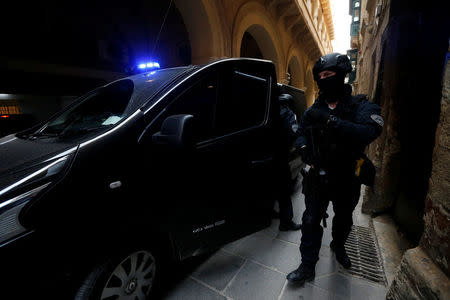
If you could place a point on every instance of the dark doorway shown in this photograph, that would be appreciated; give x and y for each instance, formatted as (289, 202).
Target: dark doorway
(249, 47)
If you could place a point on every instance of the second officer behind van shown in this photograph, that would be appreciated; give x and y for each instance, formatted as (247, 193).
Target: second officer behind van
(289, 133)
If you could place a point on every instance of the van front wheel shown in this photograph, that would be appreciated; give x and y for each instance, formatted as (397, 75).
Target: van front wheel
(129, 277)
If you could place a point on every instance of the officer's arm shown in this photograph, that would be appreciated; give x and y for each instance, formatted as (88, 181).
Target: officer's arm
(367, 126)
(301, 132)
(291, 123)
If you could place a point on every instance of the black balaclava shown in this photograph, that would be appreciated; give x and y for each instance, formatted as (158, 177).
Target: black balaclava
(332, 88)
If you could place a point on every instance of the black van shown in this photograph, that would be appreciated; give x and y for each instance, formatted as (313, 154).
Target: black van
(170, 163)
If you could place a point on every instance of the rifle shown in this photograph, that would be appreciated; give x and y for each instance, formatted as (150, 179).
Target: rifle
(316, 175)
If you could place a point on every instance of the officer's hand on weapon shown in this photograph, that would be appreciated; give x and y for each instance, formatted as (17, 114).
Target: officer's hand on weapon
(317, 117)
(321, 118)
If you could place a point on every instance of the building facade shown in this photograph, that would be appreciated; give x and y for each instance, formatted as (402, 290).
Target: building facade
(403, 66)
(355, 12)
(70, 48)
(291, 33)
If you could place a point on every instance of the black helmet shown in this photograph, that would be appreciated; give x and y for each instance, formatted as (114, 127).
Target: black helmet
(285, 98)
(336, 62)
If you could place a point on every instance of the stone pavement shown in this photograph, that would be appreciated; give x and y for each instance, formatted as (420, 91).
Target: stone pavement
(255, 267)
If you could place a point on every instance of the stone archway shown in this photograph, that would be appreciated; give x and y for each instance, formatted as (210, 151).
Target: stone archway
(252, 19)
(205, 29)
(264, 45)
(310, 87)
(296, 70)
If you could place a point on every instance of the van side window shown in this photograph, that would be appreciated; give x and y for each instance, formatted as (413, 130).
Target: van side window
(242, 104)
(200, 101)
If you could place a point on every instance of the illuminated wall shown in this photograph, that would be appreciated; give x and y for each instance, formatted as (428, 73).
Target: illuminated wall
(292, 33)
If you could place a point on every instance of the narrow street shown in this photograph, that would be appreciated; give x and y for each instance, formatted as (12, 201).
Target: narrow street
(135, 135)
(255, 267)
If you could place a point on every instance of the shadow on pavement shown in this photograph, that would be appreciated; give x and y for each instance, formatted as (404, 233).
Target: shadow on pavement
(176, 272)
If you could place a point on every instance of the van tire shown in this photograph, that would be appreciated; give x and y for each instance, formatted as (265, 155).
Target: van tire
(132, 273)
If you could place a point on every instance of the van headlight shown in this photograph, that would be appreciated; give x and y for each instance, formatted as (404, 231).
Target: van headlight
(16, 195)
(9, 214)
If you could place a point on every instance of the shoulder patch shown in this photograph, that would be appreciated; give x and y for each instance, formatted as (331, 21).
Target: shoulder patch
(378, 119)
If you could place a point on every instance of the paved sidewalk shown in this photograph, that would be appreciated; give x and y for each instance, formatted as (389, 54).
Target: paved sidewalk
(255, 267)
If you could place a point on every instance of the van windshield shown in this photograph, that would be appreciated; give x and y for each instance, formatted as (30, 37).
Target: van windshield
(106, 106)
(100, 109)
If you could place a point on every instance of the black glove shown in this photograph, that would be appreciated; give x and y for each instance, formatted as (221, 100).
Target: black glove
(306, 155)
(316, 116)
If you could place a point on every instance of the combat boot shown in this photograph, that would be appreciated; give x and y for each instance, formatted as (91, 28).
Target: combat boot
(341, 255)
(301, 275)
(289, 226)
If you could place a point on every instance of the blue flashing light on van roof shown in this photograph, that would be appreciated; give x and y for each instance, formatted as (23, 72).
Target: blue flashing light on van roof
(149, 65)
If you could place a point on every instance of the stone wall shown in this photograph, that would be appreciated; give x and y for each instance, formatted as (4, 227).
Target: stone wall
(436, 237)
(398, 48)
(424, 271)
(419, 278)
(374, 34)
(401, 68)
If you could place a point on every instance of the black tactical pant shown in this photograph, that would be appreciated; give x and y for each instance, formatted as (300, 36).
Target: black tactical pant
(286, 186)
(343, 192)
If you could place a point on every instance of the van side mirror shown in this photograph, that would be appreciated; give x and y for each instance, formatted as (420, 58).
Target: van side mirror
(175, 131)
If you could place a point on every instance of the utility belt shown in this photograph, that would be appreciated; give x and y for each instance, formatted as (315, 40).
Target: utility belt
(316, 180)
(363, 170)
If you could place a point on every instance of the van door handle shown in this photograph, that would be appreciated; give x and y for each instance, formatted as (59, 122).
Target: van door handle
(115, 185)
(262, 161)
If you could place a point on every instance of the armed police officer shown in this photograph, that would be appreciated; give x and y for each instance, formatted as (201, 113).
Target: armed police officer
(333, 134)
